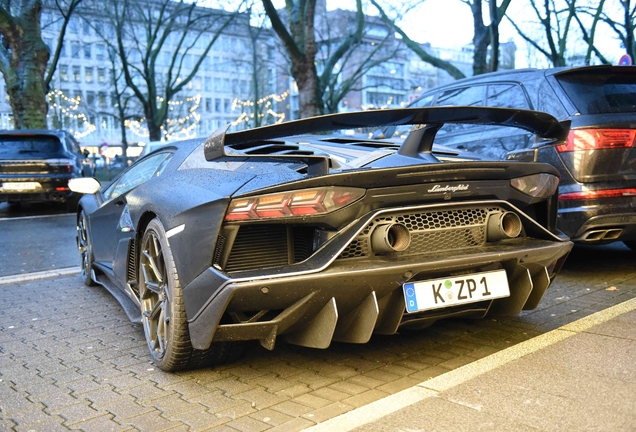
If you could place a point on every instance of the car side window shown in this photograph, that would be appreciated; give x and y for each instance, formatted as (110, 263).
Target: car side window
(506, 96)
(424, 101)
(137, 175)
(464, 96)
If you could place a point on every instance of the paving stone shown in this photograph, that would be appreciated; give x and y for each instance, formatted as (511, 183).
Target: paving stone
(198, 419)
(189, 389)
(78, 413)
(297, 424)
(151, 421)
(312, 401)
(126, 408)
(271, 417)
(364, 398)
(236, 411)
(292, 409)
(248, 424)
(216, 402)
(230, 386)
(148, 392)
(103, 396)
(327, 412)
(260, 398)
(173, 404)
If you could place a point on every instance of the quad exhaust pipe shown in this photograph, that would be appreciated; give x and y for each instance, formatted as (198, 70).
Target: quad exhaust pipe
(390, 238)
(503, 225)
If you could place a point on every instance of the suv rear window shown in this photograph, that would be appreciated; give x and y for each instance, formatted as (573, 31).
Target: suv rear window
(597, 93)
(12, 146)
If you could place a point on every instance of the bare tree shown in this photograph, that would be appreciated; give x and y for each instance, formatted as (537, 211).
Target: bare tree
(624, 25)
(486, 35)
(555, 24)
(161, 45)
(589, 34)
(416, 48)
(24, 58)
(299, 40)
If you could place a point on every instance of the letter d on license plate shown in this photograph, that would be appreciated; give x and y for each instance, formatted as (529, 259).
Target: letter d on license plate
(453, 291)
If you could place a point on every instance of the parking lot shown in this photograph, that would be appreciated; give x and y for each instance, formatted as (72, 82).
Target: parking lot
(72, 360)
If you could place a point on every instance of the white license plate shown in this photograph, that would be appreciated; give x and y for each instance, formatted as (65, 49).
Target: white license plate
(20, 186)
(452, 291)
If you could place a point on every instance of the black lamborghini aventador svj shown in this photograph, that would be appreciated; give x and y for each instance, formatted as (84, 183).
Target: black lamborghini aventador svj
(274, 233)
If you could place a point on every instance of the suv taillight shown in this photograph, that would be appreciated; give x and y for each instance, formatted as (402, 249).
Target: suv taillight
(597, 139)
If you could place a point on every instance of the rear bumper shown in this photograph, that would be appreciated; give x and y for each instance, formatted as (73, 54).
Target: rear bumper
(50, 189)
(596, 223)
(351, 299)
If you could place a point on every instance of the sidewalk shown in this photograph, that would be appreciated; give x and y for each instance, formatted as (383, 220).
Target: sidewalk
(581, 376)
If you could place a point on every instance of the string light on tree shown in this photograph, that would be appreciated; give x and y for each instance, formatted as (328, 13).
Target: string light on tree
(63, 114)
(265, 104)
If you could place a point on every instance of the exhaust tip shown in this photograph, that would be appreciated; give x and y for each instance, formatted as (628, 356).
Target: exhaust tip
(503, 225)
(390, 238)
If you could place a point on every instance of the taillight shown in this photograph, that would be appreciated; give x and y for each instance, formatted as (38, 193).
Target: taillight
(61, 163)
(607, 193)
(598, 139)
(306, 202)
(540, 185)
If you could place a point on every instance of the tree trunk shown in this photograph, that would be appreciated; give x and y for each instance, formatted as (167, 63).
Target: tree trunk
(481, 40)
(24, 71)
(309, 99)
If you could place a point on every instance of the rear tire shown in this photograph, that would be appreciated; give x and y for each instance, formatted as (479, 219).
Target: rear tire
(631, 244)
(163, 312)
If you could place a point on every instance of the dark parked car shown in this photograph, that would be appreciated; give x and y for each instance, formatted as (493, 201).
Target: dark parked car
(267, 234)
(597, 163)
(36, 165)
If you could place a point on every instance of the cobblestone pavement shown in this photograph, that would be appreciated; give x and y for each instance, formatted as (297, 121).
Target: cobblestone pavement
(70, 359)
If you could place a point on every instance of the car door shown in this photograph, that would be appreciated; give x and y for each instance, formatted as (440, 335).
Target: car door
(106, 230)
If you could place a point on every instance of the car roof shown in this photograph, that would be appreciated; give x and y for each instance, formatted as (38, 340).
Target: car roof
(26, 132)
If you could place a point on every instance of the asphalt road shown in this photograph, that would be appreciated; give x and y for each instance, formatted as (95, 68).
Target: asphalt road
(70, 359)
(32, 241)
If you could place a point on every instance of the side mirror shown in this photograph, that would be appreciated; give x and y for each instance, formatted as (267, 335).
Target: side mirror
(84, 185)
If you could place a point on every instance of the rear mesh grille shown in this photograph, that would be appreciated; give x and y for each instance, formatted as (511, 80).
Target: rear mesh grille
(262, 246)
(431, 231)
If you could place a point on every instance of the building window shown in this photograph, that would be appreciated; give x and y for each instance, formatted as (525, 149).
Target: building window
(87, 52)
(88, 75)
(101, 75)
(102, 99)
(75, 50)
(86, 28)
(63, 73)
(208, 84)
(217, 84)
(217, 105)
(208, 104)
(227, 105)
(99, 51)
(77, 77)
(90, 98)
(197, 83)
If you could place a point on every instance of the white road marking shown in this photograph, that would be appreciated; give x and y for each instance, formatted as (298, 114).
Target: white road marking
(25, 277)
(432, 387)
(19, 218)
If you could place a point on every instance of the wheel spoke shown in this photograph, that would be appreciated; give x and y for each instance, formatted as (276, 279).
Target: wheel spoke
(153, 266)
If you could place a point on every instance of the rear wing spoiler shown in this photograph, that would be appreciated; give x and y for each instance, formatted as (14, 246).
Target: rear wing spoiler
(418, 141)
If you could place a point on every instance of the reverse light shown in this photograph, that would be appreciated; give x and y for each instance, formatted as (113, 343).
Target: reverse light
(537, 185)
(598, 194)
(306, 202)
(598, 139)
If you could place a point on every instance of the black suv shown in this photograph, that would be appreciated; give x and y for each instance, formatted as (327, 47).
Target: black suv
(597, 192)
(36, 165)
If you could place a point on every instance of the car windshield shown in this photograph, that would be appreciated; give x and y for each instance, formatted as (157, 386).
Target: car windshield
(12, 146)
(598, 93)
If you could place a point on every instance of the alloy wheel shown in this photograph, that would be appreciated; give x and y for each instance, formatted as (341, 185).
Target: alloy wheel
(155, 295)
